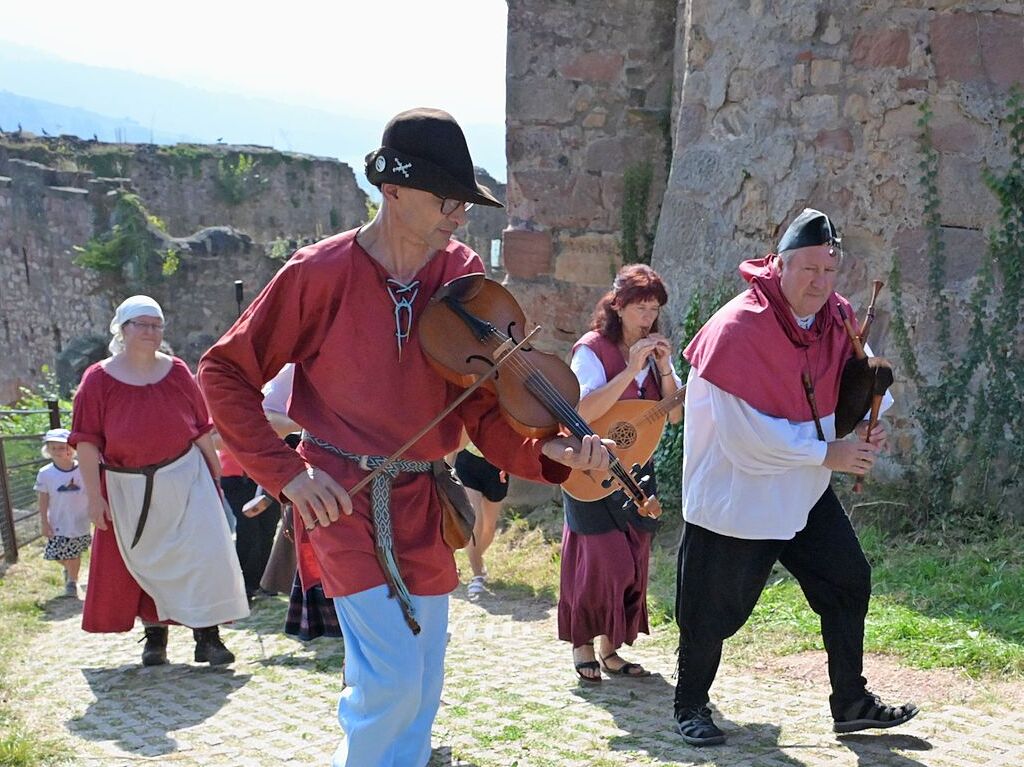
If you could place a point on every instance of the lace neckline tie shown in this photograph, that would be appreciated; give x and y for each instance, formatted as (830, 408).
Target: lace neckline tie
(402, 296)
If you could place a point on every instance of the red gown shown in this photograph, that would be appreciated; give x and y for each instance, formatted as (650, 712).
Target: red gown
(328, 310)
(130, 426)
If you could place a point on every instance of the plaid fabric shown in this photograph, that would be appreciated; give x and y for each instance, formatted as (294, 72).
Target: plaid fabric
(310, 614)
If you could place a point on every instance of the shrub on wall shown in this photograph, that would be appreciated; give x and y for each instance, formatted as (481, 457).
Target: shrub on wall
(129, 245)
(239, 180)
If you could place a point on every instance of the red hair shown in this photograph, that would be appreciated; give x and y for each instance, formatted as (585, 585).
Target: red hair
(633, 283)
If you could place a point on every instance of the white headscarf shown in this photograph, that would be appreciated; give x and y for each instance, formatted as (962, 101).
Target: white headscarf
(130, 308)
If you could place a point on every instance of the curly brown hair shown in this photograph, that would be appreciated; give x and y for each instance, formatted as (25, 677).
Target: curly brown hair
(633, 283)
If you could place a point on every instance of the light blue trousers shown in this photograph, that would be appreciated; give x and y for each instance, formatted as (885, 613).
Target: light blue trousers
(393, 679)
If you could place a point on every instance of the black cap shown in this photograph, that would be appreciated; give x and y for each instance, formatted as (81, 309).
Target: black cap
(810, 228)
(426, 149)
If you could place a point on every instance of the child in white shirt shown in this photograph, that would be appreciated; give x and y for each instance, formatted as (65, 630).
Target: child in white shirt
(63, 507)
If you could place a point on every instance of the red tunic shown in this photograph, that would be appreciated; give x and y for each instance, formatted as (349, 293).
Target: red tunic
(328, 311)
(130, 426)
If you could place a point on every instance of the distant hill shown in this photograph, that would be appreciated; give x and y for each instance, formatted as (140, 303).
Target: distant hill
(35, 116)
(44, 92)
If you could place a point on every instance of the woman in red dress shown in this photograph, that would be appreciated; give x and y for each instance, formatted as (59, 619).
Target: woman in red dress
(162, 550)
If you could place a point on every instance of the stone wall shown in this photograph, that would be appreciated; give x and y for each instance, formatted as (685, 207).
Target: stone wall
(775, 105)
(786, 104)
(50, 307)
(589, 88)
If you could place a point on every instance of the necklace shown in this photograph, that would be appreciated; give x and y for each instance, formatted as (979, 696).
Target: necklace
(402, 296)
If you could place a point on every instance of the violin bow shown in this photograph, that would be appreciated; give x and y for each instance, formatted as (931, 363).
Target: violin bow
(502, 354)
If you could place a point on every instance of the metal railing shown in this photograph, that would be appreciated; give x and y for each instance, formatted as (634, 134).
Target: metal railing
(20, 460)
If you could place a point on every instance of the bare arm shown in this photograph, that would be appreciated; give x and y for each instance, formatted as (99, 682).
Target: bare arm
(599, 401)
(282, 424)
(44, 508)
(89, 463)
(205, 443)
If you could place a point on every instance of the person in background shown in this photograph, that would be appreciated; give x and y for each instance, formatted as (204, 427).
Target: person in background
(310, 613)
(486, 485)
(254, 534)
(346, 311)
(63, 507)
(162, 550)
(606, 544)
(758, 455)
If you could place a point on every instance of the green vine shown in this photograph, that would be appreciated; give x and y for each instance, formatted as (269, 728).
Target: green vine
(129, 245)
(969, 410)
(637, 243)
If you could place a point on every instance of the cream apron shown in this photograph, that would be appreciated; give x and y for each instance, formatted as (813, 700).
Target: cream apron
(184, 559)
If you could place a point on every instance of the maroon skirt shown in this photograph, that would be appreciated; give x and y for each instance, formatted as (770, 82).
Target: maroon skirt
(604, 586)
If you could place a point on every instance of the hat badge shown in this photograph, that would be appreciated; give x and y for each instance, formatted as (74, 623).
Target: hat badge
(380, 164)
(402, 167)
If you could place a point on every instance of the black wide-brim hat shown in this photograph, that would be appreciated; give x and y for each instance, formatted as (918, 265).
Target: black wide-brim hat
(426, 149)
(810, 228)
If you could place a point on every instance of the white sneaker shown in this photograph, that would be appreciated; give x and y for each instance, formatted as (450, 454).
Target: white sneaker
(476, 587)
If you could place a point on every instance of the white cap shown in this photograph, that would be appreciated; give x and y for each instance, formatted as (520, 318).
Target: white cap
(56, 435)
(135, 306)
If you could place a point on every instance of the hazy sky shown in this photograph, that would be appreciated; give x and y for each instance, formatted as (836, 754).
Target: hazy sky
(370, 59)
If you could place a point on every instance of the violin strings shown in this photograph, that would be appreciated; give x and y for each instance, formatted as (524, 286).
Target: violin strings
(523, 370)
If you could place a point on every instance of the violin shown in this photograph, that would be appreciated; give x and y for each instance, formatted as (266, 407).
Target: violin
(473, 325)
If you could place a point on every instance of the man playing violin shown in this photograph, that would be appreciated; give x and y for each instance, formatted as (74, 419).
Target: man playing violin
(345, 312)
(758, 461)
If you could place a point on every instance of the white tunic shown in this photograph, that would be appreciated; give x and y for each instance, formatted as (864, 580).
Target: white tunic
(590, 371)
(746, 474)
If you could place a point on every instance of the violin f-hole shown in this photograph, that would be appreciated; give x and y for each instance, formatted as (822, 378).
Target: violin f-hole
(486, 360)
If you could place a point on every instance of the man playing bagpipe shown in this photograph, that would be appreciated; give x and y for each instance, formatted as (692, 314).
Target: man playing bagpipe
(759, 451)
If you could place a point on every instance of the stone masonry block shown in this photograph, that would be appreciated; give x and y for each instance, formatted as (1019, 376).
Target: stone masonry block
(595, 66)
(825, 72)
(527, 254)
(835, 140)
(878, 48)
(590, 259)
(979, 47)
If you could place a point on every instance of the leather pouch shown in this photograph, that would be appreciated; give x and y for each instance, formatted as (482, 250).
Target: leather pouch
(457, 513)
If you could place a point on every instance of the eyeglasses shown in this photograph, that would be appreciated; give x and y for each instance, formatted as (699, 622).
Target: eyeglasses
(157, 326)
(449, 205)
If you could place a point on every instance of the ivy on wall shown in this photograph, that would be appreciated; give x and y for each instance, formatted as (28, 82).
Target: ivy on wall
(970, 410)
(637, 244)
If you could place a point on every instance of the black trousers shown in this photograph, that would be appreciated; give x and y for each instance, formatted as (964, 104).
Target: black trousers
(254, 536)
(720, 580)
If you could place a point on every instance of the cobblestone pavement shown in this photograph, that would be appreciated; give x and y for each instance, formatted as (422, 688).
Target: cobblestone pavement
(511, 700)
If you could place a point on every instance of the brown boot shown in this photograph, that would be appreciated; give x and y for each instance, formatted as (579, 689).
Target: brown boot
(210, 649)
(154, 652)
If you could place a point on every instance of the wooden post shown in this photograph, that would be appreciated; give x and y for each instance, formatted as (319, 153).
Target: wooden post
(7, 534)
